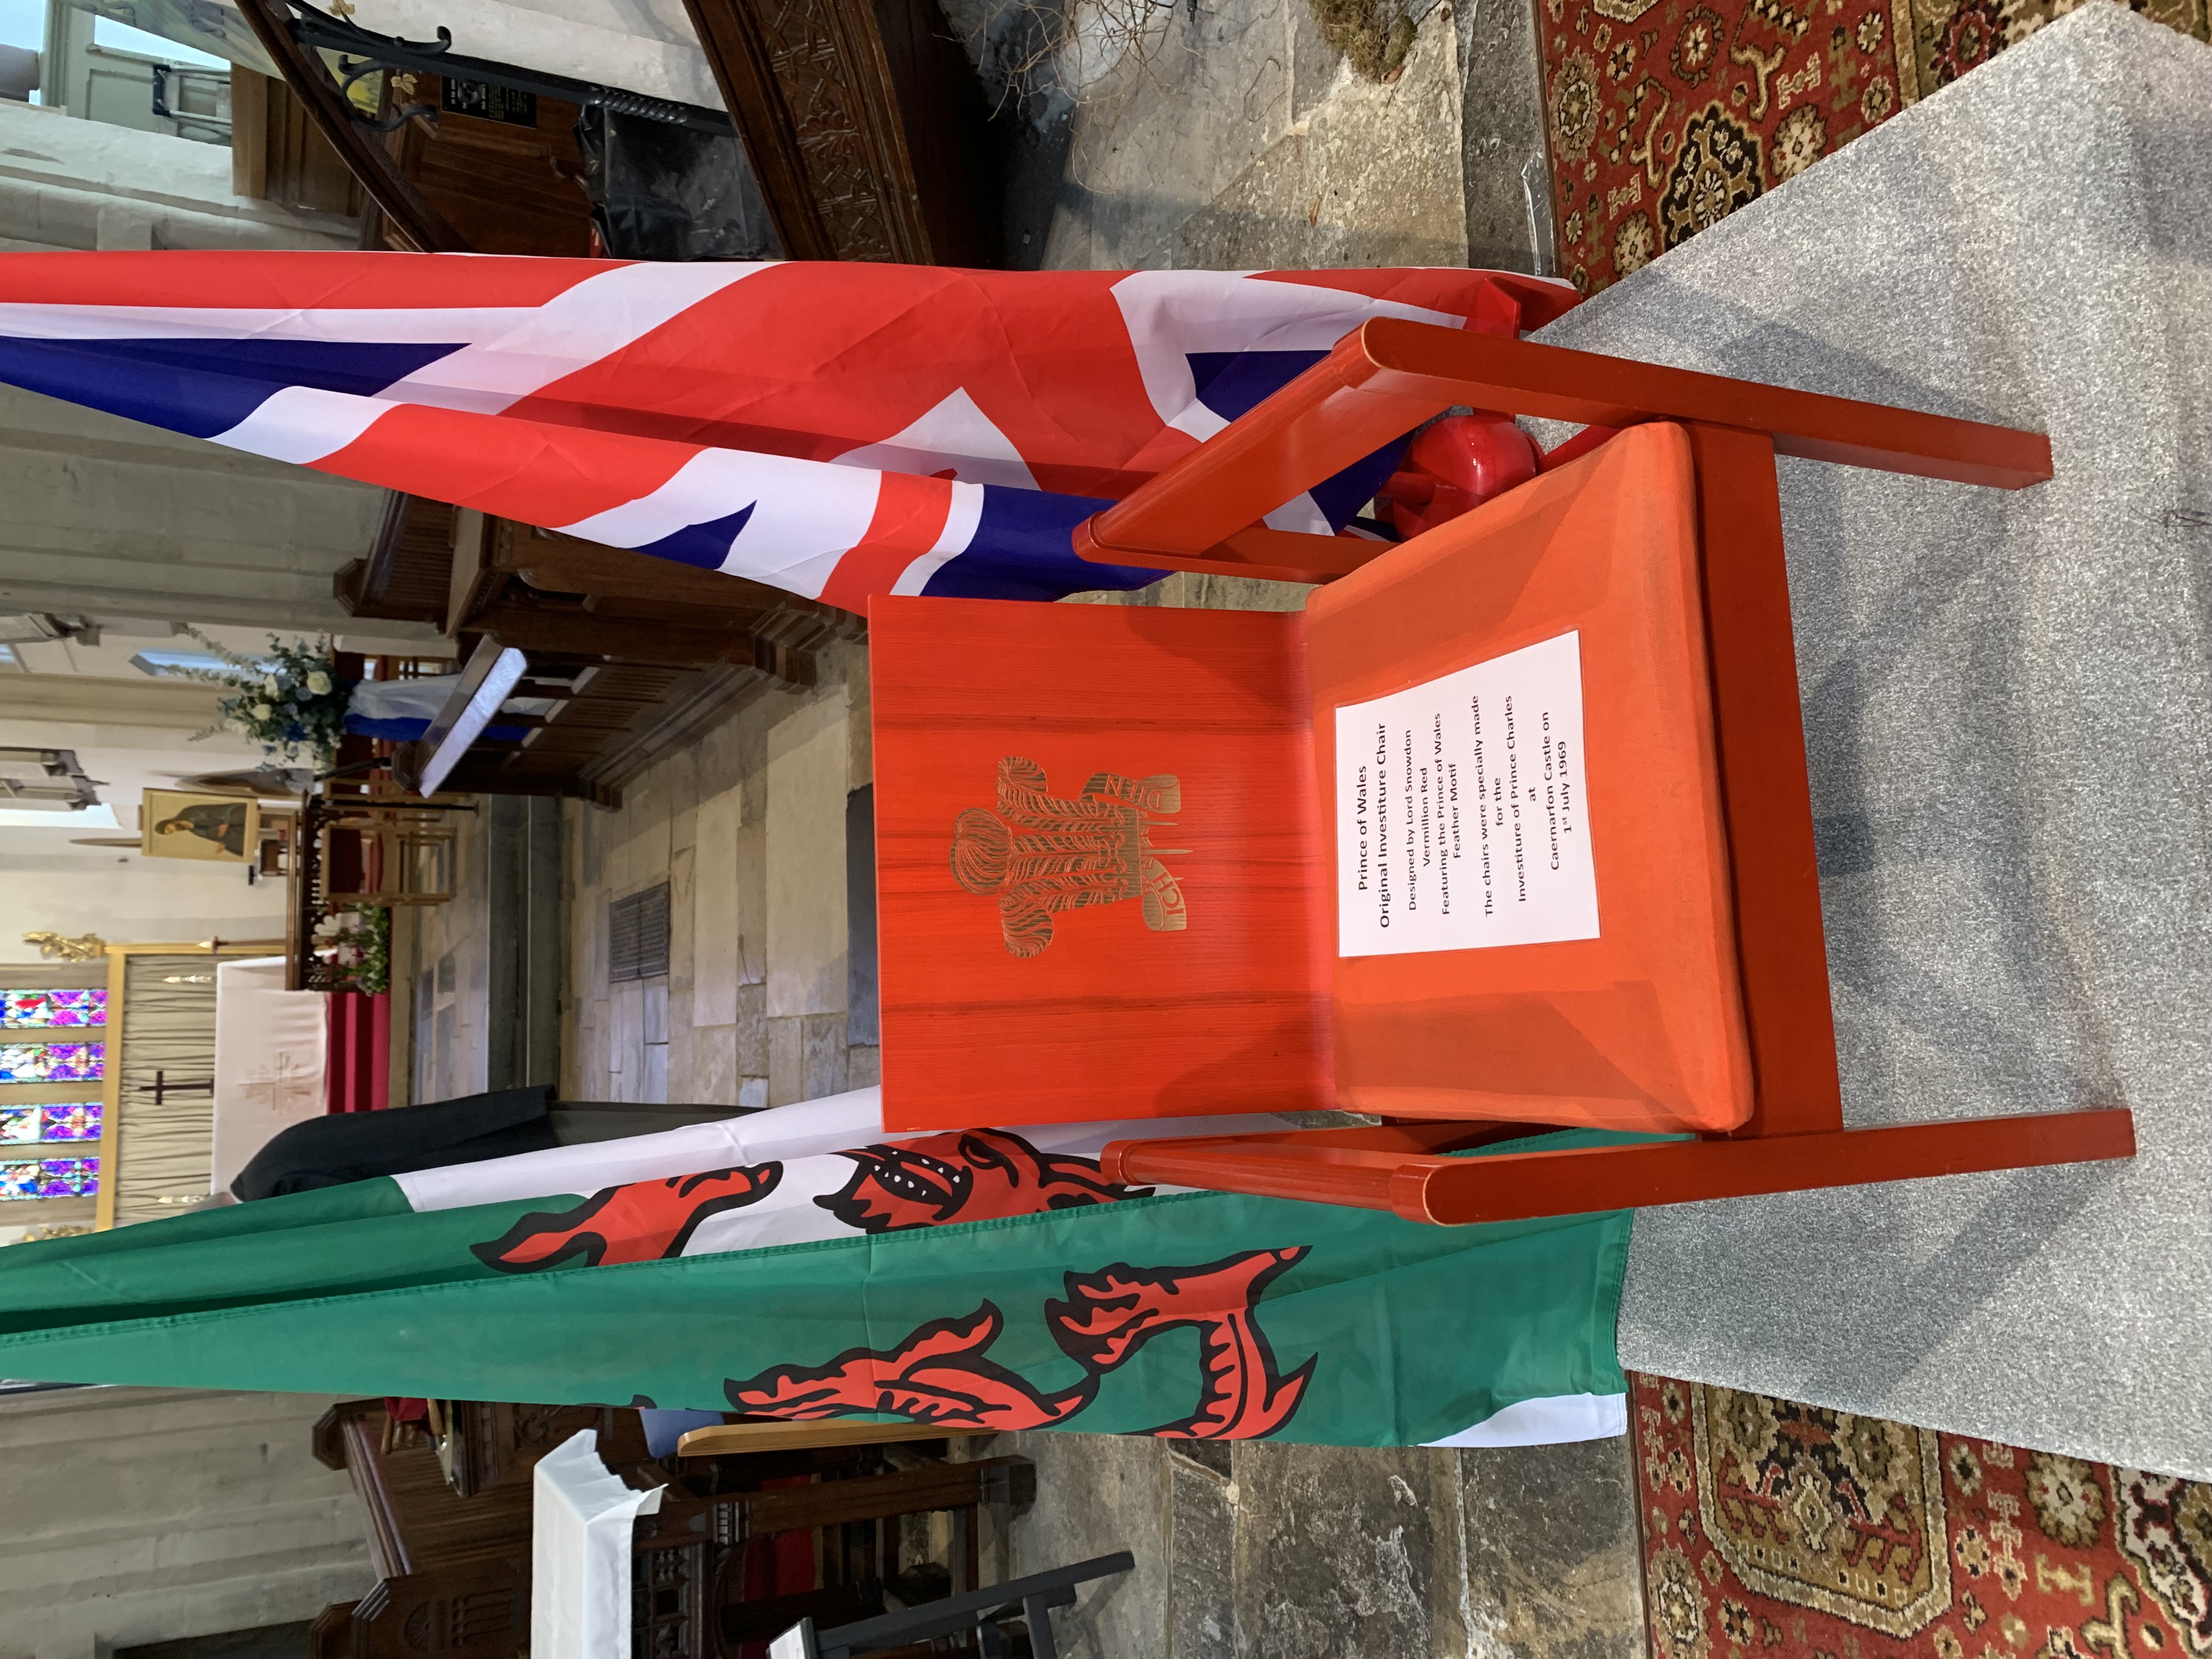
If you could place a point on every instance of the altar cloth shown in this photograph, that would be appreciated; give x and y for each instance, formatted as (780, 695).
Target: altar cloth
(580, 1553)
(269, 1061)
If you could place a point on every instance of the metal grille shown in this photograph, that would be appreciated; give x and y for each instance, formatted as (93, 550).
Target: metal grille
(637, 936)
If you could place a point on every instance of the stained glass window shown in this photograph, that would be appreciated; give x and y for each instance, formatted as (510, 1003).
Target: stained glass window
(50, 1177)
(51, 1062)
(53, 1008)
(75, 1120)
(64, 1123)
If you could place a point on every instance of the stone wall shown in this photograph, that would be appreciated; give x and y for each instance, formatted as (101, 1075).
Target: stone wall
(747, 827)
(144, 1515)
(69, 184)
(105, 514)
(1247, 1548)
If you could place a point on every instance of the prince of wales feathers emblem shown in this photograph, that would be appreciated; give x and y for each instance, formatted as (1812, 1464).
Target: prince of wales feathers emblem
(1040, 853)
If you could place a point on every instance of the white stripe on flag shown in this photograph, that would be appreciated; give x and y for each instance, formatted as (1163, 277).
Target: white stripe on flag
(805, 514)
(960, 523)
(302, 424)
(1170, 314)
(572, 331)
(786, 1135)
(954, 436)
(801, 1131)
(504, 353)
(790, 1215)
(398, 325)
(1195, 419)
(1548, 1420)
(1302, 514)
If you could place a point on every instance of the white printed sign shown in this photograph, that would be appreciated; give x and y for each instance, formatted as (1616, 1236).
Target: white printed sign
(1461, 817)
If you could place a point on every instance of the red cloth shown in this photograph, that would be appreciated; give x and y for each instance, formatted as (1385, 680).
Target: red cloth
(357, 1056)
(1783, 1531)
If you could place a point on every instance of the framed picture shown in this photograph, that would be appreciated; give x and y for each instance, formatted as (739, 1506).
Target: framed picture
(182, 823)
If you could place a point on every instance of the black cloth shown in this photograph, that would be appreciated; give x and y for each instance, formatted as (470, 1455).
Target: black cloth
(581, 1122)
(329, 1151)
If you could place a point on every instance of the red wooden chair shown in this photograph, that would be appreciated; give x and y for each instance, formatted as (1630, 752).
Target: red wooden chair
(1637, 944)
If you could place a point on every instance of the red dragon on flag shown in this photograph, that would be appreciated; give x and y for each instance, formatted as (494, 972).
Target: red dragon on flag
(942, 1372)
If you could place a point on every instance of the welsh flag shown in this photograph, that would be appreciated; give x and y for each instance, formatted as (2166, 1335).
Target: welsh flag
(986, 1278)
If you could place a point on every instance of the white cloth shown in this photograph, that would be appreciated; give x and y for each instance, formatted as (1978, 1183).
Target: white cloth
(580, 1554)
(402, 700)
(269, 1061)
(1553, 1420)
(424, 699)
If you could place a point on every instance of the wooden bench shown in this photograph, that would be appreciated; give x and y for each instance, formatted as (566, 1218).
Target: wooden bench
(449, 1521)
(596, 627)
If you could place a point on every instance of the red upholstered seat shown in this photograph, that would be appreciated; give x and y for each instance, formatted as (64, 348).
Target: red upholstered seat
(1642, 1026)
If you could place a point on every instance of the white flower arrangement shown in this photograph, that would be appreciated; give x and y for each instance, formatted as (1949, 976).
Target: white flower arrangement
(292, 701)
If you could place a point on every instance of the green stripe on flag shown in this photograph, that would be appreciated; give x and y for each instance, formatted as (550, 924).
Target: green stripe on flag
(361, 1237)
(1205, 1314)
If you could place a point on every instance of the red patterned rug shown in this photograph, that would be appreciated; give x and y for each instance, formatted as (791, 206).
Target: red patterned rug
(1773, 1530)
(1668, 115)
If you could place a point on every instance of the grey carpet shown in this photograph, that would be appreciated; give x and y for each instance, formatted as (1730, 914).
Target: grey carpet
(2007, 721)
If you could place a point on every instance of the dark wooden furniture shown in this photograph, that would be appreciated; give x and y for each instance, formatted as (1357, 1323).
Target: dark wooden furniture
(510, 186)
(1032, 1599)
(449, 1527)
(356, 844)
(278, 152)
(419, 1518)
(865, 125)
(640, 655)
(417, 222)
(862, 120)
(458, 155)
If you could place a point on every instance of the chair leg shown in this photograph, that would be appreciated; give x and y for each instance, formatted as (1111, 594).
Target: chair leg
(1421, 1186)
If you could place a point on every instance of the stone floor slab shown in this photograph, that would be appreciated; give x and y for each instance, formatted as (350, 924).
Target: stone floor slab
(1255, 1550)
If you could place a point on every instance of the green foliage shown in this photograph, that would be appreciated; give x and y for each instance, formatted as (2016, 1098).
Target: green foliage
(1373, 34)
(364, 951)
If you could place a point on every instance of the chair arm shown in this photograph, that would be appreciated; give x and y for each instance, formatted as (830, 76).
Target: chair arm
(1389, 376)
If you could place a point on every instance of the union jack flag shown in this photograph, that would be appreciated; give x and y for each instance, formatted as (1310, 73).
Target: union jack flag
(836, 430)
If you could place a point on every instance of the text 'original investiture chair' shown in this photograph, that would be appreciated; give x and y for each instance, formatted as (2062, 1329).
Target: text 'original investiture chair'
(1509, 830)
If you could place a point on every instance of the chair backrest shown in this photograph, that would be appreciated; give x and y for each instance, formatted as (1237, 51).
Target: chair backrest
(1098, 870)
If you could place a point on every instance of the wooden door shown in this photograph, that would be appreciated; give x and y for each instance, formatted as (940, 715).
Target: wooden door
(502, 166)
